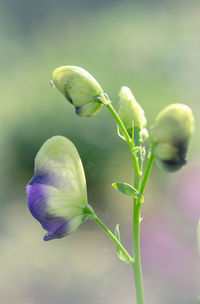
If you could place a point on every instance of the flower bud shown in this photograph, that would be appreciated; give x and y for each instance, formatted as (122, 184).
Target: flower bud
(80, 88)
(170, 136)
(57, 193)
(130, 112)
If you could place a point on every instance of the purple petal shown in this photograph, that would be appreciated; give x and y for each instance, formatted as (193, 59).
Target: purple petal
(43, 178)
(37, 194)
(37, 200)
(56, 227)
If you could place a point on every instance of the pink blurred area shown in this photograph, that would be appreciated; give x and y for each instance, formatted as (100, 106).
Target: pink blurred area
(187, 192)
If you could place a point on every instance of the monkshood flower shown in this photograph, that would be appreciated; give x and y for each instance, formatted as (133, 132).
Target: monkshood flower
(57, 194)
(130, 112)
(80, 89)
(170, 136)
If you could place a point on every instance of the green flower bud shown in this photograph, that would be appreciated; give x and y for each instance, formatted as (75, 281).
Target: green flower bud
(79, 88)
(170, 136)
(130, 112)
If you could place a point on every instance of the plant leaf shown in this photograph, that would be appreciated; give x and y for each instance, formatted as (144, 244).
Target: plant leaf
(119, 252)
(126, 189)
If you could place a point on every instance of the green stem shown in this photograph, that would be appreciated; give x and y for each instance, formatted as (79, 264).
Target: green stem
(136, 233)
(137, 159)
(137, 271)
(139, 153)
(137, 263)
(112, 236)
(135, 163)
(126, 135)
(146, 175)
(120, 123)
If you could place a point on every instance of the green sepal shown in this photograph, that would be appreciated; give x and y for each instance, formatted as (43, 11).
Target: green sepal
(126, 189)
(88, 211)
(103, 98)
(119, 252)
(198, 237)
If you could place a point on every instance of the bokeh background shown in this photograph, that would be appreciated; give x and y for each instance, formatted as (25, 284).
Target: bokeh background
(151, 46)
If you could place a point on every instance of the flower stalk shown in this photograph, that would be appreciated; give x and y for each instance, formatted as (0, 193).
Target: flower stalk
(113, 238)
(137, 270)
(136, 263)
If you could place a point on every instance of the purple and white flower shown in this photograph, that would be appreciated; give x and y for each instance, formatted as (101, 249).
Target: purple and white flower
(57, 193)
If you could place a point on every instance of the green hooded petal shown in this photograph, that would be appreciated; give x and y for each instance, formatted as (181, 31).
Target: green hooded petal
(59, 159)
(170, 136)
(80, 88)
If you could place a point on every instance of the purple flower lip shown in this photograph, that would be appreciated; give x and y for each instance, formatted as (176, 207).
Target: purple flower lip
(37, 203)
(57, 226)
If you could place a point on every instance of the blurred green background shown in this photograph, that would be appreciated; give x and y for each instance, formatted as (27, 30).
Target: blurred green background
(151, 46)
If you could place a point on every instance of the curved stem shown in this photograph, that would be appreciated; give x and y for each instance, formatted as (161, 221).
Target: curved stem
(112, 236)
(126, 135)
(120, 123)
